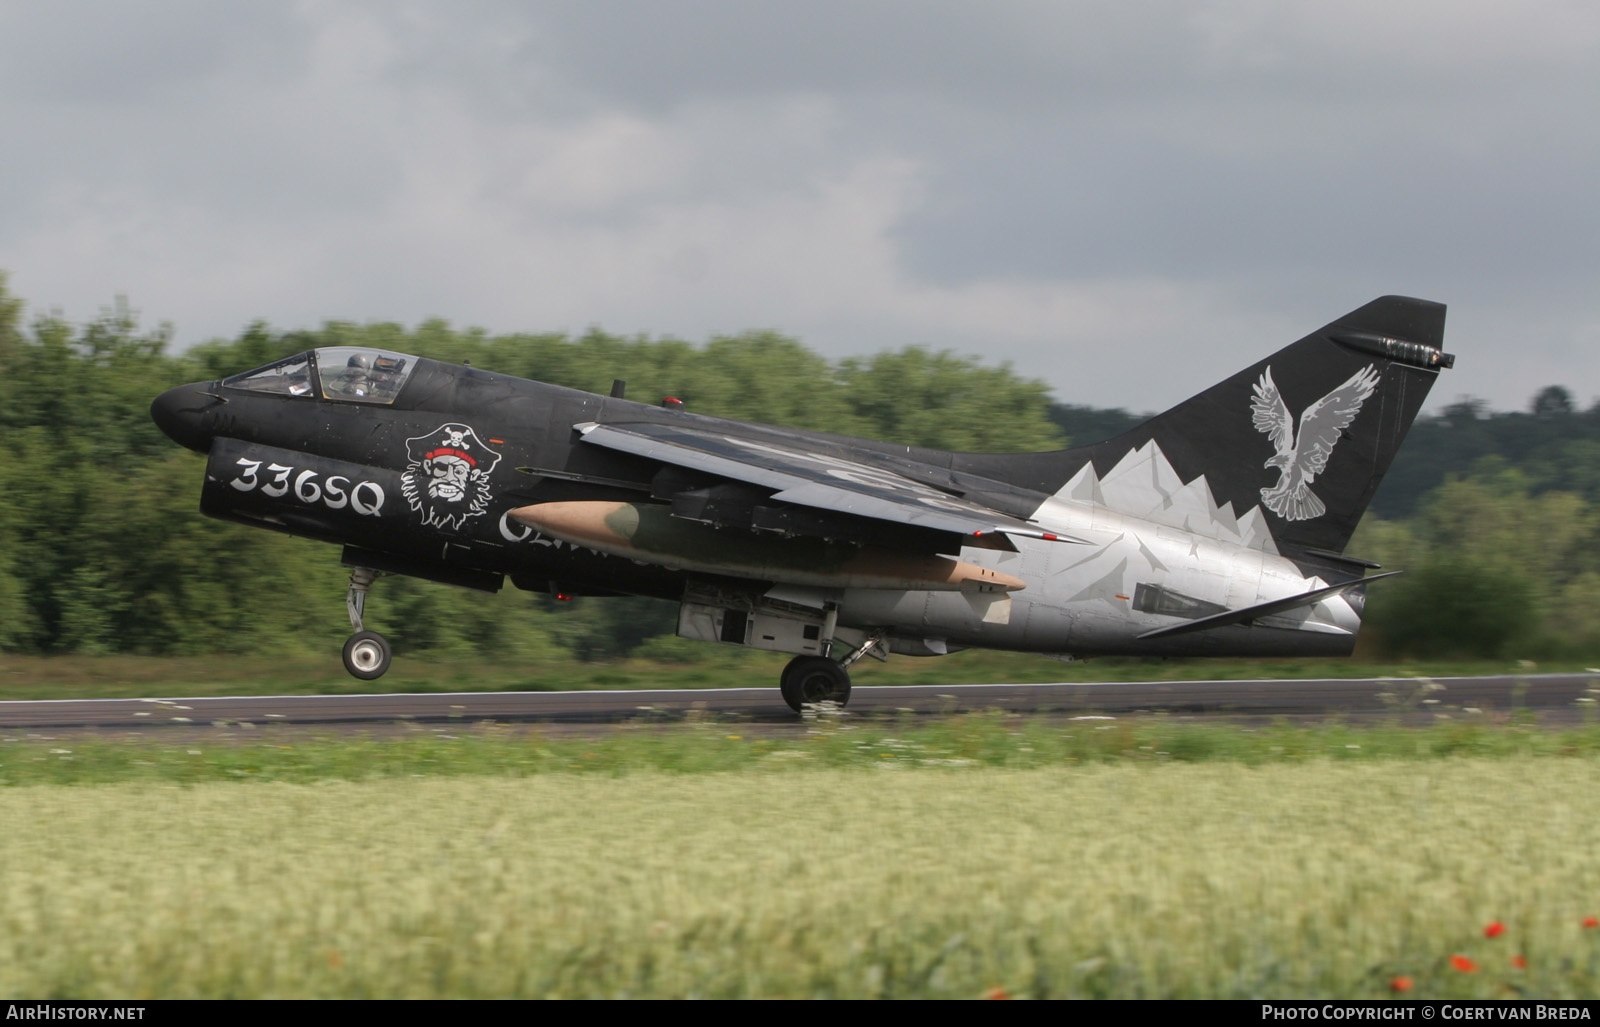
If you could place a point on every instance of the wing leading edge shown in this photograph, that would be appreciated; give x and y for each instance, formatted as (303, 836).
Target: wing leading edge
(817, 481)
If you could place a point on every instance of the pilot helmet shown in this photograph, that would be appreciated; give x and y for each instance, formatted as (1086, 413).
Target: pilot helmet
(359, 361)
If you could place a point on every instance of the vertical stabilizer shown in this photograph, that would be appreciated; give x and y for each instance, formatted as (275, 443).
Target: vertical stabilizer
(1291, 449)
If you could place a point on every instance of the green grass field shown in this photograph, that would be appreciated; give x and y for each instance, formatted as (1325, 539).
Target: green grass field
(1097, 859)
(988, 740)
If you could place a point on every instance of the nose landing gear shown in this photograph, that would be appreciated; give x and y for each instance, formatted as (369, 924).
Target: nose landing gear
(366, 654)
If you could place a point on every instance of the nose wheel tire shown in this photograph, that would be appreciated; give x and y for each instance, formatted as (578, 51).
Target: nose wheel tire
(366, 655)
(808, 680)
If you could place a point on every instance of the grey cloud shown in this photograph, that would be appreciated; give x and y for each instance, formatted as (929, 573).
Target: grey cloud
(121, 55)
(1260, 165)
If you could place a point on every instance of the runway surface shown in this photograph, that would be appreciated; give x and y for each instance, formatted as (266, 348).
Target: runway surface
(1551, 698)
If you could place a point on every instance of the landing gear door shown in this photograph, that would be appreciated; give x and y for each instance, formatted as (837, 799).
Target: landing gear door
(762, 629)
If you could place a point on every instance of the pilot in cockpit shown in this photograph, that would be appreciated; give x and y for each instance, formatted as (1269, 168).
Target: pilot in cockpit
(356, 378)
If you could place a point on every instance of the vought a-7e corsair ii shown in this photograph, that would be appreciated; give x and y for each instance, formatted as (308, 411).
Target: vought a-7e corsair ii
(1217, 528)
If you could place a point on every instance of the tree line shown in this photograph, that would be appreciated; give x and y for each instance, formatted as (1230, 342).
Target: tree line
(103, 548)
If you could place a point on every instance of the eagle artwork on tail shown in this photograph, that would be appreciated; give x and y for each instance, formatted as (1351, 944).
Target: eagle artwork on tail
(1302, 456)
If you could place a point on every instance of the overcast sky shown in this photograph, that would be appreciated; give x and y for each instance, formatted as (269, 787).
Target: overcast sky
(1127, 200)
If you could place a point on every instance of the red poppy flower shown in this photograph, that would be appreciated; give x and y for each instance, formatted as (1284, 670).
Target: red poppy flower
(1464, 964)
(996, 993)
(1401, 985)
(1494, 930)
(1591, 921)
(1520, 962)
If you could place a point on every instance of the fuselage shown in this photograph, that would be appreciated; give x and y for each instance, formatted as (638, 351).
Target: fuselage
(419, 470)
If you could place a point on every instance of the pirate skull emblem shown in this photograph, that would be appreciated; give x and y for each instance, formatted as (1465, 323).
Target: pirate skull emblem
(447, 478)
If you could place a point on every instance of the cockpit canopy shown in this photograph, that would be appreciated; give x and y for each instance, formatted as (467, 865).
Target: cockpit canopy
(355, 374)
(362, 375)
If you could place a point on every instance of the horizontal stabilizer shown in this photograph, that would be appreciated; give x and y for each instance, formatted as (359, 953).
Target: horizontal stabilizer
(1250, 613)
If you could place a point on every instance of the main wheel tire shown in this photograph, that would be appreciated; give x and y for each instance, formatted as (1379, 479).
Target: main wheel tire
(808, 680)
(367, 655)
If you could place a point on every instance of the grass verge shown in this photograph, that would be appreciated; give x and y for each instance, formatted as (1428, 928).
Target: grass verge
(980, 740)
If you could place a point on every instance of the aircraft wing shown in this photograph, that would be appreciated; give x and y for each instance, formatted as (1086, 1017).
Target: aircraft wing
(825, 482)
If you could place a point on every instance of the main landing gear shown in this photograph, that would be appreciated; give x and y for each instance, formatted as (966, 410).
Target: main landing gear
(808, 680)
(366, 654)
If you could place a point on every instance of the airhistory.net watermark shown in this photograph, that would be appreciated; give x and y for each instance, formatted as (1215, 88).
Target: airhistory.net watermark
(70, 1011)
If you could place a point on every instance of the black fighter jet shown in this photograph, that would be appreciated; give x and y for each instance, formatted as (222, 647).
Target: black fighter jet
(1216, 528)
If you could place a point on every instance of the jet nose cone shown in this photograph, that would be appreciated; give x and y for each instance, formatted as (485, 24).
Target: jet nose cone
(184, 414)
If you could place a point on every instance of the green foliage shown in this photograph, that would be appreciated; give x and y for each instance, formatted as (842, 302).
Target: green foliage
(606, 629)
(10, 326)
(758, 376)
(948, 402)
(1452, 605)
(1492, 570)
(74, 411)
(255, 346)
(1554, 444)
(1086, 425)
